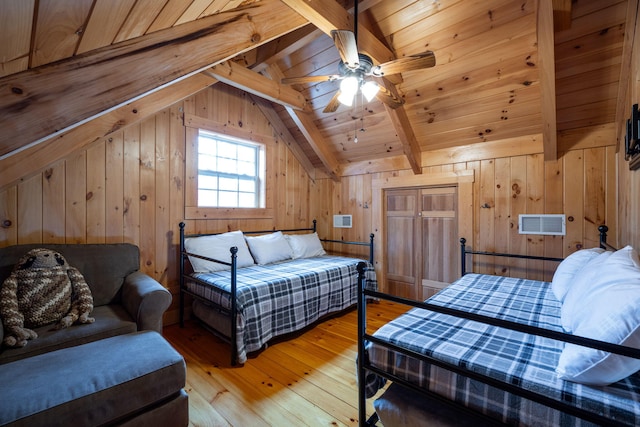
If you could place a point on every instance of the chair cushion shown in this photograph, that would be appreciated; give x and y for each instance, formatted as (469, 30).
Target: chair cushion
(91, 384)
(111, 320)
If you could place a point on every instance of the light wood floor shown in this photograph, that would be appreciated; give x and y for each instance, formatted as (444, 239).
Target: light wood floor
(306, 380)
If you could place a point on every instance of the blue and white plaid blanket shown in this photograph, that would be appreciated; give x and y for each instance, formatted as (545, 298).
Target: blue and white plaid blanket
(284, 297)
(521, 359)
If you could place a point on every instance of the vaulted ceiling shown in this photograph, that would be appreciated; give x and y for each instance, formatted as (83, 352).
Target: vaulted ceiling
(72, 71)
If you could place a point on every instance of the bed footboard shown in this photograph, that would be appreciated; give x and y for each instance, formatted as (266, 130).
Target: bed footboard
(365, 368)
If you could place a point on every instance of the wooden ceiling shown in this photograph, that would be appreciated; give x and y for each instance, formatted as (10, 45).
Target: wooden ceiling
(71, 71)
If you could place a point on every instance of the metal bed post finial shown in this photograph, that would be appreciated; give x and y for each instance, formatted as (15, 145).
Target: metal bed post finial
(603, 236)
(371, 236)
(315, 222)
(463, 258)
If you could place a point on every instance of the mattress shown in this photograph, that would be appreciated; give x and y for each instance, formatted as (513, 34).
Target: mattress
(521, 359)
(280, 298)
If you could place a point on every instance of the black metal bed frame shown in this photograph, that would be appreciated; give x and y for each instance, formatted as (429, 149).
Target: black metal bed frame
(363, 364)
(232, 263)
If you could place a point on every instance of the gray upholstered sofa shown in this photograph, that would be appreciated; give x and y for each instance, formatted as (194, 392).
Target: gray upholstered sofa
(118, 370)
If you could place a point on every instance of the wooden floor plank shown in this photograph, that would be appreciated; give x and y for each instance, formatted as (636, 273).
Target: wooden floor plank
(307, 379)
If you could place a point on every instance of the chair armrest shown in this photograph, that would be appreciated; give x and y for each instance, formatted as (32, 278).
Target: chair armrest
(146, 300)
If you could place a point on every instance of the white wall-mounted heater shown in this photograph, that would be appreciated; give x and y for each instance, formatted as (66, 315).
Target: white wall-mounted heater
(549, 224)
(342, 221)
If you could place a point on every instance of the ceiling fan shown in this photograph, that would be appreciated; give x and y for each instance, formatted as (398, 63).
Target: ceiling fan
(356, 71)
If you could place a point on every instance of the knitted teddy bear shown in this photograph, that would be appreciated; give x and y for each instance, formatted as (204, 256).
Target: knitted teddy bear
(42, 288)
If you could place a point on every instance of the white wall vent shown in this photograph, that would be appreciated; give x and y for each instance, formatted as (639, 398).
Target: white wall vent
(342, 221)
(551, 224)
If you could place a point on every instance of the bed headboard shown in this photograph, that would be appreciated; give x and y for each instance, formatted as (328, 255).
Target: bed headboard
(311, 229)
(464, 251)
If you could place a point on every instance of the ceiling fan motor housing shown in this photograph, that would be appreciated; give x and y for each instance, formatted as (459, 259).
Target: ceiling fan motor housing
(364, 66)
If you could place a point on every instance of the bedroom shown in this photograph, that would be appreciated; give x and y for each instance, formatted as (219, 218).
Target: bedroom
(120, 176)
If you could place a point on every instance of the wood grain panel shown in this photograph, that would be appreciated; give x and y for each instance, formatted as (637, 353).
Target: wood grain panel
(131, 183)
(114, 184)
(486, 223)
(535, 204)
(106, 19)
(96, 197)
(147, 221)
(53, 192)
(574, 200)
(553, 204)
(9, 216)
(76, 198)
(59, 29)
(15, 31)
(30, 210)
(518, 191)
(140, 18)
(502, 210)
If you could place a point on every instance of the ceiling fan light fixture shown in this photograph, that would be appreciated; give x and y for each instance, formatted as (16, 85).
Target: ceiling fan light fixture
(348, 89)
(346, 98)
(370, 90)
(349, 85)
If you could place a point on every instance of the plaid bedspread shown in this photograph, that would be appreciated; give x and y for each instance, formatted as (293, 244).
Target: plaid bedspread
(284, 297)
(521, 359)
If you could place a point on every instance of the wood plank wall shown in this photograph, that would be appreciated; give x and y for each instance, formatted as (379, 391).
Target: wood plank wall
(581, 184)
(129, 187)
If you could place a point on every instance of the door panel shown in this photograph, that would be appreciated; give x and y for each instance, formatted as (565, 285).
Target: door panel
(402, 266)
(439, 235)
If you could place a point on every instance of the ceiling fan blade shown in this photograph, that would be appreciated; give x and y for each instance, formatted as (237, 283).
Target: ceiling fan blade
(308, 79)
(345, 42)
(412, 62)
(333, 104)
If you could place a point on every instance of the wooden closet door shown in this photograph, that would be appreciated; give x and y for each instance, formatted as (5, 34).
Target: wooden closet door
(402, 251)
(439, 217)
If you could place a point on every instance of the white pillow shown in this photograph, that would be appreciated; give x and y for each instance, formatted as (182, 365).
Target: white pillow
(269, 248)
(583, 283)
(610, 312)
(305, 245)
(568, 268)
(218, 247)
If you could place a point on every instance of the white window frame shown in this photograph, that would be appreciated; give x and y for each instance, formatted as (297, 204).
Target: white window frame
(191, 208)
(256, 178)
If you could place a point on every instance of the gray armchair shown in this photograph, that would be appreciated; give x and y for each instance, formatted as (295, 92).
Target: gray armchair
(125, 299)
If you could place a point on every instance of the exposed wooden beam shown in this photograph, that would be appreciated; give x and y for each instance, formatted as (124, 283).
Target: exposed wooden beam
(249, 81)
(305, 123)
(561, 15)
(403, 129)
(407, 138)
(283, 132)
(272, 52)
(38, 104)
(36, 158)
(546, 63)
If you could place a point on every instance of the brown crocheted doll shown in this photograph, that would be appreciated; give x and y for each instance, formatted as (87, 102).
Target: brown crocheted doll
(42, 289)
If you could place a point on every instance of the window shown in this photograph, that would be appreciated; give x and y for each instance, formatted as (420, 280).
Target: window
(231, 172)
